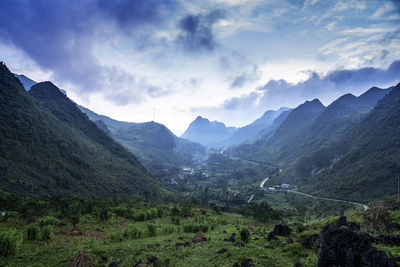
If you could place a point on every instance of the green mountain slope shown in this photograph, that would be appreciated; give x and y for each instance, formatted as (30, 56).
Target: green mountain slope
(369, 167)
(250, 132)
(49, 147)
(157, 147)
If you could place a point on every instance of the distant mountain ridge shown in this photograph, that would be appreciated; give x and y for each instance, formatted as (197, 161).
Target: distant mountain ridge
(155, 145)
(216, 134)
(208, 133)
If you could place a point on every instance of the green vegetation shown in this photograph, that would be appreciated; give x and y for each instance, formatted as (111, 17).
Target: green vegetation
(49, 147)
(160, 240)
(10, 242)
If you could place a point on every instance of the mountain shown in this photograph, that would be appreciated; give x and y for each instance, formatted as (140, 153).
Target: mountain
(370, 161)
(26, 82)
(250, 132)
(157, 147)
(208, 133)
(49, 147)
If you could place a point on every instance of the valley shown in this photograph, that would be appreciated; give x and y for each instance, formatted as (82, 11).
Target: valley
(124, 193)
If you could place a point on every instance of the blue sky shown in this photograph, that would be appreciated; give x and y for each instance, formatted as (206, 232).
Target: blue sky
(228, 60)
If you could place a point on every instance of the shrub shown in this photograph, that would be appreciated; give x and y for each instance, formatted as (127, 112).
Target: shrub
(132, 232)
(10, 242)
(48, 220)
(245, 235)
(152, 214)
(152, 229)
(47, 232)
(32, 232)
(141, 216)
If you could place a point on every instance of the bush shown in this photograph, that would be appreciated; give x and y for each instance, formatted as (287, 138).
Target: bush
(152, 214)
(141, 216)
(10, 242)
(47, 232)
(245, 235)
(132, 232)
(194, 228)
(48, 220)
(152, 229)
(32, 232)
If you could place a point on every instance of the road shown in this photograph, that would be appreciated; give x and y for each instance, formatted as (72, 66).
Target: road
(331, 199)
(263, 182)
(250, 198)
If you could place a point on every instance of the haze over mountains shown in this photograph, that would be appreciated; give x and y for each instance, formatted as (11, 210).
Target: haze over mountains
(316, 147)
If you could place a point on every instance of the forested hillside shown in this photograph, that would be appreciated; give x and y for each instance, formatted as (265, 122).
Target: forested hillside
(49, 147)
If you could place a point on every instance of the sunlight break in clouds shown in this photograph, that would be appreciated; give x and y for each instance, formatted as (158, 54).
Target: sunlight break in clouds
(190, 58)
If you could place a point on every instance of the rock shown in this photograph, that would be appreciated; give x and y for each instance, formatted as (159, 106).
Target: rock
(199, 237)
(341, 246)
(152, 259)
(350, 258)
(232, 238)
(81, 259)
(311, 240)
(221, 251)
(388, 240)
(251, 229)
(342, 221)
(114, 264)
(279, 230)
(282, 230)
(374, 257)
(142, 265)
(247, 263)
(393, 227)
(377, 216)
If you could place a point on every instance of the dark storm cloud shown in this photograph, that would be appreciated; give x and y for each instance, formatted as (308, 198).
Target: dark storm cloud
(397, 5)
(278, 93)
(196, 31)
(59, 35)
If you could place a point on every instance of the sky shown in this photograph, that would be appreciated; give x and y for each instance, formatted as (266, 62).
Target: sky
(227, 60)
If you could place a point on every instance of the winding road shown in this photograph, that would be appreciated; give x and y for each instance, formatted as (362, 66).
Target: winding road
(331, 199)
(365, 207)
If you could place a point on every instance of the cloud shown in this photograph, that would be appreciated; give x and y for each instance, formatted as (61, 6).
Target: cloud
(196, 33)
(60, 36)
(280, 93)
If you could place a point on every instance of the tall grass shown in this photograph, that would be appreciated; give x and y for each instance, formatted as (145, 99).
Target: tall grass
(10, 242)
(32, 232)
(132, 232)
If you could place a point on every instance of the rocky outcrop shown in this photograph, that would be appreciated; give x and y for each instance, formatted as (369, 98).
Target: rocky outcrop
(342, 245)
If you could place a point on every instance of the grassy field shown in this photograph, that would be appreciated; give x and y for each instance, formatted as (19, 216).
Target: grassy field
(163, 239)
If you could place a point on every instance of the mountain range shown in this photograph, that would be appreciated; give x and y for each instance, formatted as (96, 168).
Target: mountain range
(49, 147)
(162, 152)
(314, 141)
(216, 134)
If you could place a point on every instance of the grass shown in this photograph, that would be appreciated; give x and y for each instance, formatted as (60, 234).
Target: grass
(127, 241)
